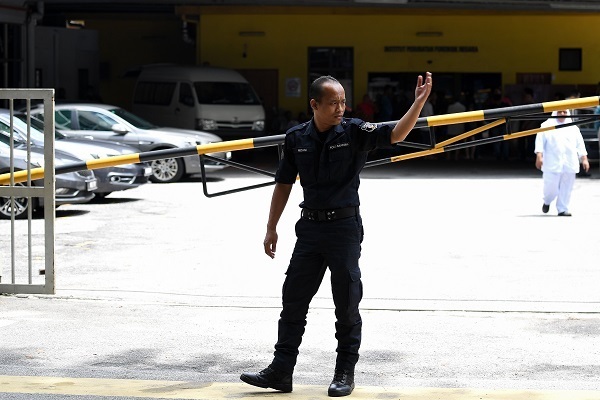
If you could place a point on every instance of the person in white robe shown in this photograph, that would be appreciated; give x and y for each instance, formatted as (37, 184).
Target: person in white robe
(559, 153)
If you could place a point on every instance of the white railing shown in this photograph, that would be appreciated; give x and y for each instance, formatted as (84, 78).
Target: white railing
(29, 264)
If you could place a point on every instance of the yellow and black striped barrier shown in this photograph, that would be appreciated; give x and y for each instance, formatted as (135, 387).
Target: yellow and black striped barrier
(447, 146)
(513, 111)
(498, 114)
(232, 145)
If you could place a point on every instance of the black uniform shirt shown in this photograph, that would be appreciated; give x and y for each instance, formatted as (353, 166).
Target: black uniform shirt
(329, 163)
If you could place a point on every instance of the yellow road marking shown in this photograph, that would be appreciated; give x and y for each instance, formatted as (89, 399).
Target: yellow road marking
(152, 389)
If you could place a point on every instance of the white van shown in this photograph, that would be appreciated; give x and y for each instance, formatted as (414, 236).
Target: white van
(212, 99)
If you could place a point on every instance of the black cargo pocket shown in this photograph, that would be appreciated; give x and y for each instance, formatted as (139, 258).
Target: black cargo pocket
(355, 290)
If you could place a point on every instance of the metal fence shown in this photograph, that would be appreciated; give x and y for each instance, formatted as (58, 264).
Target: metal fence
(26, 245)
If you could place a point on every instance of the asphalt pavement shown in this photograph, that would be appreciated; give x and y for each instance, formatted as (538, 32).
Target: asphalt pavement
(471, 292)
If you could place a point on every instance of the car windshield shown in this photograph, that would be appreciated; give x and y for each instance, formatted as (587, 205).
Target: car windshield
(21, 129)
(133, 119)
(4, 136)
(37, 123)
(234, 93)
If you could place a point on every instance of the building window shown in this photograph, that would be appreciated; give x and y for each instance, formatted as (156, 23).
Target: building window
(569, 59)
(335, 61)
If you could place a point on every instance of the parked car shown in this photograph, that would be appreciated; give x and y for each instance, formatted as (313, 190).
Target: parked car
(106, 122)
(110, 179)
(70, 188)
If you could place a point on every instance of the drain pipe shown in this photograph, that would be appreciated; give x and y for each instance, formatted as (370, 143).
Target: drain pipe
(32, 20)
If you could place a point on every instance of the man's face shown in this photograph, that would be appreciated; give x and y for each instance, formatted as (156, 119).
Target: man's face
(561, 114)
(330, 110)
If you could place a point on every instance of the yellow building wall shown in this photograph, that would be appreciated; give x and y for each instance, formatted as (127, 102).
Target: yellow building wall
(506, 43)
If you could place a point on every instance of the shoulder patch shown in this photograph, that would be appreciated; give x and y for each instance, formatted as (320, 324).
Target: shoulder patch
(368, 126)
(297, 127)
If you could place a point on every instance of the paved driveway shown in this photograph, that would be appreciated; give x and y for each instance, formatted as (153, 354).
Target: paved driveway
(468, 288)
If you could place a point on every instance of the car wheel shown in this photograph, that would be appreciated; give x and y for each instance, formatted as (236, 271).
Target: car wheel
(21, 206)
(167, 170)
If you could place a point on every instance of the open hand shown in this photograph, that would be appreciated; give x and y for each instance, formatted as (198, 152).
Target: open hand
(423, 88)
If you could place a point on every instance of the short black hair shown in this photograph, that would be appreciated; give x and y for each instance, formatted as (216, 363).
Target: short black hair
(316, 88)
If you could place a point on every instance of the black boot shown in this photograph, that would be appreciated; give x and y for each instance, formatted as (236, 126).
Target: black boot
(269, 378)
(342, 383)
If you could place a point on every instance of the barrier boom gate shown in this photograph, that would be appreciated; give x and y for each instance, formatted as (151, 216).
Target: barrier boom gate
(499, 115)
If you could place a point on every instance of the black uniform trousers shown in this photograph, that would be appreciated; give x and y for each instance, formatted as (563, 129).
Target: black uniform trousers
(320, 244)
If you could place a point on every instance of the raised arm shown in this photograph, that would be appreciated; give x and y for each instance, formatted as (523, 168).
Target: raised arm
(408, 121)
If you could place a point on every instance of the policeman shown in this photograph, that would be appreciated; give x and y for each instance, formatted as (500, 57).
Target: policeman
(328, 152)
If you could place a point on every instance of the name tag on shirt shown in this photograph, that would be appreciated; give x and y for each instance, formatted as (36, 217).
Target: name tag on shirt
(300, 150)
(339, 146)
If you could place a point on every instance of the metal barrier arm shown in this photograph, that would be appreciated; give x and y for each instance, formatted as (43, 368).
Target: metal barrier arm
(242, 144)
(457, 146)
(237, 165)
(470, 133)
(512, 111)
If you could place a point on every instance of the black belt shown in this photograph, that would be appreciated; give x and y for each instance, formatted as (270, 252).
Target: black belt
(329, 215)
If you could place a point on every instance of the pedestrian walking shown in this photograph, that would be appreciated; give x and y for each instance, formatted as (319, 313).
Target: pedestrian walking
(558, 154)
(328, 152)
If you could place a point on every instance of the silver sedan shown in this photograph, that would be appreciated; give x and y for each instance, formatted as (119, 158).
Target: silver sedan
(70, 188)
(106, 122)
(111, 179)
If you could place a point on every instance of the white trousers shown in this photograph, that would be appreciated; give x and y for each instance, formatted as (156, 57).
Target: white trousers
(558, 186)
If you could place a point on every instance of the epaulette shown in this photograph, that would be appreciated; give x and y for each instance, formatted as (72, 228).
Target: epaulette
(297, 127)
(353, 121)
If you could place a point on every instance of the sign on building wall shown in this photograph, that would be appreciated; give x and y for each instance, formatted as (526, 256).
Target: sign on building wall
(292, 87)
